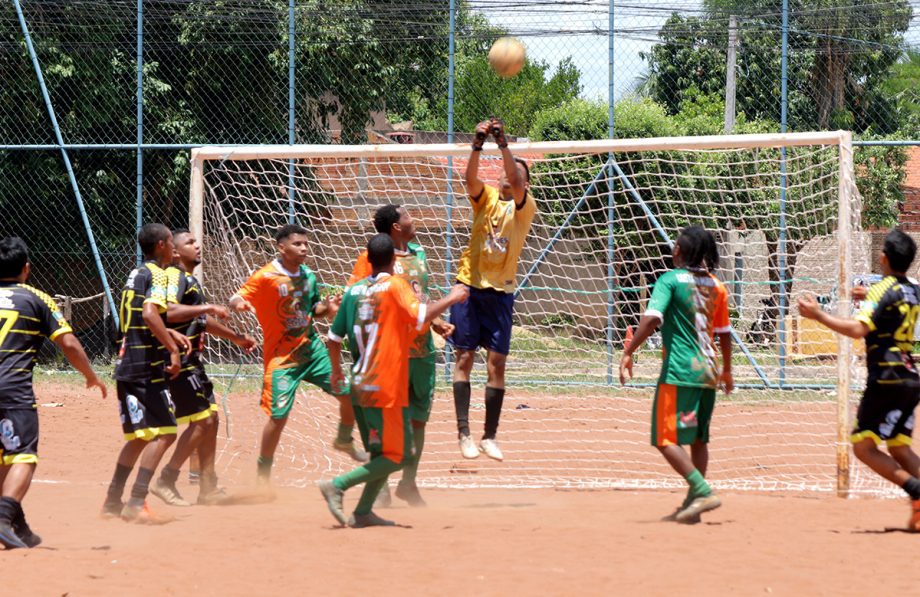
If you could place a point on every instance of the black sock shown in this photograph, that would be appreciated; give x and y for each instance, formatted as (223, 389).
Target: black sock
(494, 399)
(117, 486)
(169, 475)
(912, 487)
(462, 406)
(9, 510)
(141, 484)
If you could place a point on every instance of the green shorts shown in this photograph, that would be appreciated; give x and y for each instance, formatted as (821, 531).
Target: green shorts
(422, 379)
(385, 432)
(279, 384)
(681, 415)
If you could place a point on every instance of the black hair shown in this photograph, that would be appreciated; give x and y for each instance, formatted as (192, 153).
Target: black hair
(900, 250)
(380, 251)
(698, 249)
(179, 231)
(14, 255)
(287, 230)
(385, 217)
(149, 236)
(526, 167)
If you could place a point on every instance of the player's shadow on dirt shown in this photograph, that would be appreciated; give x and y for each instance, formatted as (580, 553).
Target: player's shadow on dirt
(392, 526)
(883, 531)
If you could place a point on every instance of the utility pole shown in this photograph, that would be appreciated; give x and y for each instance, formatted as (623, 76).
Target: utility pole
(730, 74)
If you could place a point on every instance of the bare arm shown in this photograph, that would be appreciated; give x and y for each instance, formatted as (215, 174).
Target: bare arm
(518, 190)
(337, 377)
(155, 323)
(810, 309)
(73, 350)
(474, 185)
(215, 327)
(647, 326)
(241, 305)
(457, 294)
(181, 313)
(725, 343)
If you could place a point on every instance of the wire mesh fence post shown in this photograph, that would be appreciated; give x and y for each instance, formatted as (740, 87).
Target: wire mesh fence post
(292, 84)
(784, 104)
(448, 237)
(139, 198)
(611, 201)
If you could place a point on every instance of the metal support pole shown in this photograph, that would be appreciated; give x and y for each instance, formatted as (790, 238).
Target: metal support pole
(730, 74)
(59, 138)
(611, 200)
(292, 194)
(448, 237)
(139, 197)
(781, 248)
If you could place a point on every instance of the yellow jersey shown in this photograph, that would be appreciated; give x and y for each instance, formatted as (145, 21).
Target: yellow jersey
(496, 240)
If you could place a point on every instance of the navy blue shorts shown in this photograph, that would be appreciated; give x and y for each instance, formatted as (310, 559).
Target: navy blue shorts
(484, 319)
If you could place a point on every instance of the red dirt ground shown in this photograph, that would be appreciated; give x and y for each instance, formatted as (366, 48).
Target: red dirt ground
(470, 541)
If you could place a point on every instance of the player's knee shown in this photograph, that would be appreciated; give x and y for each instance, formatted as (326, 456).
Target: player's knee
(465, 360)
(496, 366)
(865, 449)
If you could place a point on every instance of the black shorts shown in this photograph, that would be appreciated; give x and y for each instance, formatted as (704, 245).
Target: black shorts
(192, 393)
(18, 436)
(147, 410)
(886, 412)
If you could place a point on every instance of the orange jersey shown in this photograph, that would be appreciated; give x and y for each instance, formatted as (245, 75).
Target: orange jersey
(284, 303)
(388, 319)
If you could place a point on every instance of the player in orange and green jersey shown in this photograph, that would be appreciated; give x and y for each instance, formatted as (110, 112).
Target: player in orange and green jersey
(691, 306)
(887, 321)
(285, 297)
(501, 222)
(381, 316)
(411, 266)
(27, 317)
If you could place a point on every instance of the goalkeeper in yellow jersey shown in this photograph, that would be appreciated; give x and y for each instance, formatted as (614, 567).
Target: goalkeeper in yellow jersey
(501, 221)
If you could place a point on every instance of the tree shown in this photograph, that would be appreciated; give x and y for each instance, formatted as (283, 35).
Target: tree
(840, 53)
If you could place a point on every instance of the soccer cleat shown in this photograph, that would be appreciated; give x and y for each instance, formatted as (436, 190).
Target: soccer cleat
(168, 493)
(691, 514)
(22, 530)
(913, 525)
(142, 514)
(352, 450)
(409, 493)
(672, 517)
(383, 499)
(468, 447)
(360, 521)
(9, 538)
(112, 509)
(333, 496)
(490, 448)
(215, 497)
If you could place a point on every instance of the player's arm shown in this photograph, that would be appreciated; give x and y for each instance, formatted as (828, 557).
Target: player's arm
(514, 177)
(337, 332)
(431, 311)
(853, 328)
(73, 350)
(216, 328)
(654, 315)
(151, 314)
(178, 313)
(475, 186)
(722, 327)
(725, 344)
(241, 302)
(442, 328)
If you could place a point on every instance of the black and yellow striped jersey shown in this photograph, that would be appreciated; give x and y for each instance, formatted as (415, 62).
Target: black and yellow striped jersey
(141, 355)
(27, 316)
(194, 329)
(890, 310)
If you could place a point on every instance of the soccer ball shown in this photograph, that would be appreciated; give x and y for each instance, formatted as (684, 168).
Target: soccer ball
(506, 57)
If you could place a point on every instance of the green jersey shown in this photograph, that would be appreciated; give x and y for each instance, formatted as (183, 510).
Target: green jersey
(692, 308)
(412, 266)
(343, 326)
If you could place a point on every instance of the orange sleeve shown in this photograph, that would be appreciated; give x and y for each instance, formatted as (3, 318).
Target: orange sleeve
(412, 309)
(362, 269)
(250, 288)
(720, 321)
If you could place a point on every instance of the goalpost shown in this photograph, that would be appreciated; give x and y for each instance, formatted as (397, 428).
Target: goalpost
(786, 213)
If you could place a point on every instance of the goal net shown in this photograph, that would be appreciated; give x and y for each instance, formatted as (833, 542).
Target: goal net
(786, 214)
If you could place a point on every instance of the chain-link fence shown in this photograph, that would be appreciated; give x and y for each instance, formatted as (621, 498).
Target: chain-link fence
(308, 71)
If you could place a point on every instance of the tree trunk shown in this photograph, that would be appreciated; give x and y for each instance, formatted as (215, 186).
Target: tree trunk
(830, 77)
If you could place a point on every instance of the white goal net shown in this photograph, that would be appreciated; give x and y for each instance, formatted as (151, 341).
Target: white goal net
(785, 211)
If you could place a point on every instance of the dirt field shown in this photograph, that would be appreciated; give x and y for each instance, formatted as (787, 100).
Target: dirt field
(469, 541)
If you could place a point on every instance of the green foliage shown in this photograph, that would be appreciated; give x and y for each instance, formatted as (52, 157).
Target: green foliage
(880, 174)
(840, 55)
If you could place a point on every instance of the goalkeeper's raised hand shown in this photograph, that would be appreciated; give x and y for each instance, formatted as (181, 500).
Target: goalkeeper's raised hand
(498, 131)
(481, 134)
